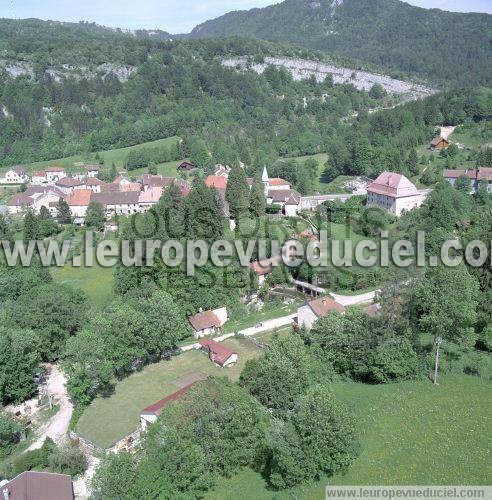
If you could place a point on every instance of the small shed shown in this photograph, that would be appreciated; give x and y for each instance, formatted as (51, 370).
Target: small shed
(219, 353)
(186, 165)
(208, 322)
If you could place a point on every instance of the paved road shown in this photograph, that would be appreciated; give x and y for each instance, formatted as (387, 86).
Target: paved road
(57, 426)
(353, 300)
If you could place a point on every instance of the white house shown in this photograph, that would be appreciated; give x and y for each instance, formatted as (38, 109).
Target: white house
(149, 198)
(394, 193)
(54, 174)
(475, 176)
(16, 175)
(288, 199)
(208, 322)
(93, 170)
(119, 202)
(95, 184)
(68, 184)
(318, 308)
(78, 201)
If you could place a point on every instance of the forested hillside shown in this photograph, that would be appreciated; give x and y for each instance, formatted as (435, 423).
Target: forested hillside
(442, 46)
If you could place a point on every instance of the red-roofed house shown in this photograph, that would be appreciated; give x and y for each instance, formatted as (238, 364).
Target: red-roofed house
(263, 268)
(395, 193)
(318, 308)
(78, 201)
(216, 181)
(278, 183)
(208, 322)
(149, 198)
(93, 170)
(219, 353)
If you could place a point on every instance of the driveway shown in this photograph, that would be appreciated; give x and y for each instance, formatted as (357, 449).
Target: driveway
(354, 300)
(57, 426)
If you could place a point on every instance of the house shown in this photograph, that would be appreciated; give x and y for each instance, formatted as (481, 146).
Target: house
(216, 181)
(48, 199)
(263, 269)
(475, 176)
(318, 308)
(78, 201)
(186, 165)
(32, 485)
(118, 203)
(147, 199)
(53, 174)
(19, 202)
(278, 183)
(92, 170)
(68, 184)
(150, 414)
(94, 184)
(219, 353)
(288, 199)
(149, 181)
(208, 322)
(16, 175)
(394, 193)
(439, 143)
(39, 178)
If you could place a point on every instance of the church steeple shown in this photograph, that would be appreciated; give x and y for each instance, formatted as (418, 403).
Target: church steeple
(264, 177)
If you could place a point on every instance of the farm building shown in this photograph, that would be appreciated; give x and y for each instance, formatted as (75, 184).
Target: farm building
(219, 353)
(318, 308)
(186, 165)
(16, 175)
(208, 322)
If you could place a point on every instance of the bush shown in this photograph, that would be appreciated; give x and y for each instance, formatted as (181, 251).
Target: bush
(273, 208)
(9, 434)
(68, 459)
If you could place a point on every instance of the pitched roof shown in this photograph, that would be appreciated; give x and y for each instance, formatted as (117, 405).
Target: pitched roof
(68, 182)
(156, 408)
(322, 306)
(454, 174)
(152, 195)
(277, 181)
(116, 198)
(393, 185)
(218, 353)
(32, 485)
(186, 165)
(92, 168)
(280, 195)
(216, 181)
(293, 199)
(205, 319)
(20, 200)
(39, 173)
(19, 169)
(94, 181)
(483, 173)
(79, 198)
(437, 140)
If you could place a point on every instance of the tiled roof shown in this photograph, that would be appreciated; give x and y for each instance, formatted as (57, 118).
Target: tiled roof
(218, 353)
(454, 174)
(216, 181)
(279, 195)
(437, 140)
(117, 198)
(277, 181)
(393, 185)
(79, 198)
(19, 169)
(205, 319)
(32, 485)
(68, 182)
(94, 181)
(483, 173)
(152, 195)
(20, 200)
(322, 306)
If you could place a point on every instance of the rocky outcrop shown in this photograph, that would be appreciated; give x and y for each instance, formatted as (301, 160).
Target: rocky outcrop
(362, 80)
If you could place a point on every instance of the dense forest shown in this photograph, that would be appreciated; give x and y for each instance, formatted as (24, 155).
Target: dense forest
(443, 46)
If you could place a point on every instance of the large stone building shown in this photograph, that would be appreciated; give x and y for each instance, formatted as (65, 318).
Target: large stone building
(394, 193)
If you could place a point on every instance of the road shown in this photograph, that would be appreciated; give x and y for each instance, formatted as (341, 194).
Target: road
(57, 426)
(354, 300)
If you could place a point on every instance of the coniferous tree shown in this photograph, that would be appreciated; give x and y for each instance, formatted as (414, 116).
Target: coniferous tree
(44, 213)
(5, 230)
(64, 214)
(31, 226)
(237, 193)
(257, 201)
(412, 162)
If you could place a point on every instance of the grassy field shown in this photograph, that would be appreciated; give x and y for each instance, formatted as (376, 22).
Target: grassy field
(109, 419)
(117, 156)
(412, 433)
(95, 281)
